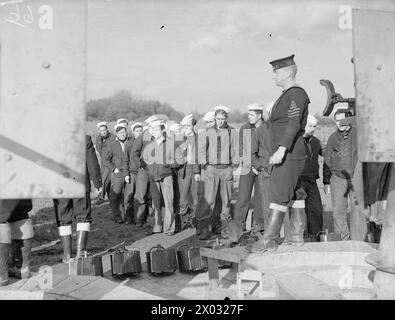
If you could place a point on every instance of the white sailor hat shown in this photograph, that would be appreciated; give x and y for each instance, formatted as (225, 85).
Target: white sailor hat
(224, 108)
(155, 123)
(120, 125)
(209, 116)
(101, 124)
(123, 120)
(187, 120)
(256, 107)
(156, 117)
(137, 124)
(311, 119)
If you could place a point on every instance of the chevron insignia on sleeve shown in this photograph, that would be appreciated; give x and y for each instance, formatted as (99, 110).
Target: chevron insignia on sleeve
(293, 110)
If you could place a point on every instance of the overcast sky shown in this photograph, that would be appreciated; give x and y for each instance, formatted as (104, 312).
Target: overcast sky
(217, 52)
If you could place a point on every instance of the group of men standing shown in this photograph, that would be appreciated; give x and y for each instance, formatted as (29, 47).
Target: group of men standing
(189, 174)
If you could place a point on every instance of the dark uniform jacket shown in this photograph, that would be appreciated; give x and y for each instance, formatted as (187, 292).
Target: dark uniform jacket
(245, 136)
(113, 156)
(131, 164)
(341, 153)
(103, 142)
(288, 119)
(261, 148)
(311, 167)
(227, 140)
(92, 166)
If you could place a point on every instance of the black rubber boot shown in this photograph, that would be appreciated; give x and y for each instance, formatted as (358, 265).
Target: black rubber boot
(268, 241)
(297, 219)
(82, 240)
(21, 258)
(4, 258)
(66, 244)
(205, 233)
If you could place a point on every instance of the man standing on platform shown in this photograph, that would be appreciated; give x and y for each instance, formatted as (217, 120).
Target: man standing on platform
(341, 156)
(287, 120)
(314, 209)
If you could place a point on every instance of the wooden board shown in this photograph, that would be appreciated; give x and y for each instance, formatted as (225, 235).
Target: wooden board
(374, 66)
(42, 99)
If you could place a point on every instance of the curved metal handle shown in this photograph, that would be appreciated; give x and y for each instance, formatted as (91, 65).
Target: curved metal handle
(157, 247)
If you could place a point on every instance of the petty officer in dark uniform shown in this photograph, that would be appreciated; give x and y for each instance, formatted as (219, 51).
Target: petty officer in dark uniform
(288, 119)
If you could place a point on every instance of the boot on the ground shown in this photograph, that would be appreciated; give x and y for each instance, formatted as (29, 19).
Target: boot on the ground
(297, 219)
(65, 236)
(83, 229)
(5, 242)
(22, 239)
(205, 232)
(268, 241)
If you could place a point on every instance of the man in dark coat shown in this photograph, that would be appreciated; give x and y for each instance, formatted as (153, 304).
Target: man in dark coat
(113, 160)
(287, 120)
(309, 176)
(79, 209)
(103, 140)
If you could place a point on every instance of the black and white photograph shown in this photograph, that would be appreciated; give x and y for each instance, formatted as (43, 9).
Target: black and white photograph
(197, 151)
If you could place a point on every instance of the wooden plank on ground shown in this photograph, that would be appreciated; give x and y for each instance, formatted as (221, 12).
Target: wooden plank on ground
(72, 283)
(235, 255)
(94, 290)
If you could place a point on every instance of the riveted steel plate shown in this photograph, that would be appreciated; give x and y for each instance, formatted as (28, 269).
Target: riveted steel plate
(42, 106)
(374, 66)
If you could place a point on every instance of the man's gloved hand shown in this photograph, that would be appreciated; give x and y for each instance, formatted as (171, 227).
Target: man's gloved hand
(116, 170)
(127, 179)
(197, 177)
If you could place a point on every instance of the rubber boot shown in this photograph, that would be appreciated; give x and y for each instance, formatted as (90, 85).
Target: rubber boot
(205, 231)
(4, 256)
(82, 238)
(16, 259)
(5, 242)
(297, 219)
(268, 241)
(27, 257)
(65, 236)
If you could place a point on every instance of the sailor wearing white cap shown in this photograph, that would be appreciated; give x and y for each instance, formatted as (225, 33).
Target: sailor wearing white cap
(189, 173)
(209, 118)
(159, 157)
(103, 140)
(248, 176)
(220, 154)
(137, 129)
(113, 160)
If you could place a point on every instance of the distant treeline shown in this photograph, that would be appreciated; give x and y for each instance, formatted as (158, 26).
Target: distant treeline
(123, 104)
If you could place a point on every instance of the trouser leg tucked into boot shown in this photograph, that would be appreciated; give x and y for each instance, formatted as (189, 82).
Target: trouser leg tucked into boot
(271, 234)
(65, 235)
(22, 236)
(83, 229)
(5, 242)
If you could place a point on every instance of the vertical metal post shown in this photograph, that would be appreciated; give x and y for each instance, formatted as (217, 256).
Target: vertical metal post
(384, 260)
